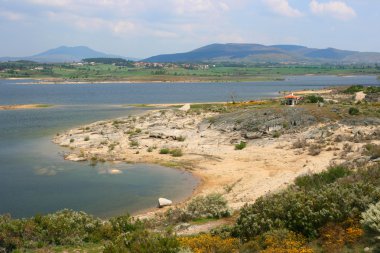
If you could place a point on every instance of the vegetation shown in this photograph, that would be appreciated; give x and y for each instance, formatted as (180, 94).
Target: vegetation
(103, 69)
(113, 61)
(241, 145)
(372, 150)
(305, 209)
(353, 111)
(371, 223)
(366, 89)
(212, 206)
(314, 99)
(174, 152)
(164, 151)
(208, 243)
(326, 212)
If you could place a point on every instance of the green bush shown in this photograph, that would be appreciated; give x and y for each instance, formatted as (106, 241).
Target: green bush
(134, 144)
(66, 228)
(241, 145)
(371, 218)
(143, 241)
(87, 138)
(176, 152)
(353, 111)
(371, 223)
(353, 89)
(313, 99)
(209, 206)
(164, 151)
(306, 212)
(315, 181)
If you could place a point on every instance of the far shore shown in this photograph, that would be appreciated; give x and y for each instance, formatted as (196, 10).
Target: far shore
(24, 106)
(168, 79)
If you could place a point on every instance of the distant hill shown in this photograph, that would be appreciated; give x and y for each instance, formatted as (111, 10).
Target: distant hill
(65, 54)
(256, 53)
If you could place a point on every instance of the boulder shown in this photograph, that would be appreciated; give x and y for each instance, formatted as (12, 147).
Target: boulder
(164, 202)
(253, 135)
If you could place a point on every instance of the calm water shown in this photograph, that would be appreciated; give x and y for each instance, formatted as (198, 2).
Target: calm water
(34, 178)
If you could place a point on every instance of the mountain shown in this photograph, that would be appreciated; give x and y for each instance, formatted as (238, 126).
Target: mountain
(256, 53)
(65, 54)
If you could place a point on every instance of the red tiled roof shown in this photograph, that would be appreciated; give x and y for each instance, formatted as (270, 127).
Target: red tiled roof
(292, 96)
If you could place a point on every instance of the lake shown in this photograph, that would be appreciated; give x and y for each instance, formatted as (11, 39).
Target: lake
(34, 177)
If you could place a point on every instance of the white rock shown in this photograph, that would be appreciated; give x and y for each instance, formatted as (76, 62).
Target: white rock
(164, 202)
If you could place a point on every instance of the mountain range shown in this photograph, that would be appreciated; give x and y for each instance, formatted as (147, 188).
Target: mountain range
(231, 52)
(65, 54)
(256, 53)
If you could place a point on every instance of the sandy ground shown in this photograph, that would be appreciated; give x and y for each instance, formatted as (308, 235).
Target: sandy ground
(22, 107)
(265, 165)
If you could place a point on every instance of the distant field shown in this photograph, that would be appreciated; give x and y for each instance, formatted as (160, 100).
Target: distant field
(108, 72)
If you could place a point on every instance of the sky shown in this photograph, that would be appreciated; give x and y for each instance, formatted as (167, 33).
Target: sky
(143, 28)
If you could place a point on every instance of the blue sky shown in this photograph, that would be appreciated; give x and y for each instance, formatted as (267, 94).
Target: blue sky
(142, 28)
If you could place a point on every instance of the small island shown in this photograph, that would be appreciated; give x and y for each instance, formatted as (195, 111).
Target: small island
(24, 107)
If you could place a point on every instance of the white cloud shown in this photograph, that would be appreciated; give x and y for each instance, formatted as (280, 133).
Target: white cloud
(337, 9)
(199, 6)
(283, 7)
(11, 16)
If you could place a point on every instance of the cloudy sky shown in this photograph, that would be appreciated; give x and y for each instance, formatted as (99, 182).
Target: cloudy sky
(141, 28)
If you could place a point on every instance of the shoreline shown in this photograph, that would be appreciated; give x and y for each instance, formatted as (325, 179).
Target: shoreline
(51, 81)
(207, 154)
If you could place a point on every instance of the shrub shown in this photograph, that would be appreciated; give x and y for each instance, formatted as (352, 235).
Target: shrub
(150, 149)
(176, 152)
(164, 151)
(306, 213)
(316, 181)
(241, 145)
(372, 150)
(143, 241)
(314, 150)
(334, 236)
(371, 218)
(353, 111)
(72, 140)
(277, 241)
(207, 243)
(134, 144)
(276, 134)
(300, 143)
(209, 206)
(353, 89)
(313, 99)
(181, 138)
(87, 138)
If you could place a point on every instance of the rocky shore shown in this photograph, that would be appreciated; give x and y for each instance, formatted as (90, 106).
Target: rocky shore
(241, 151)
